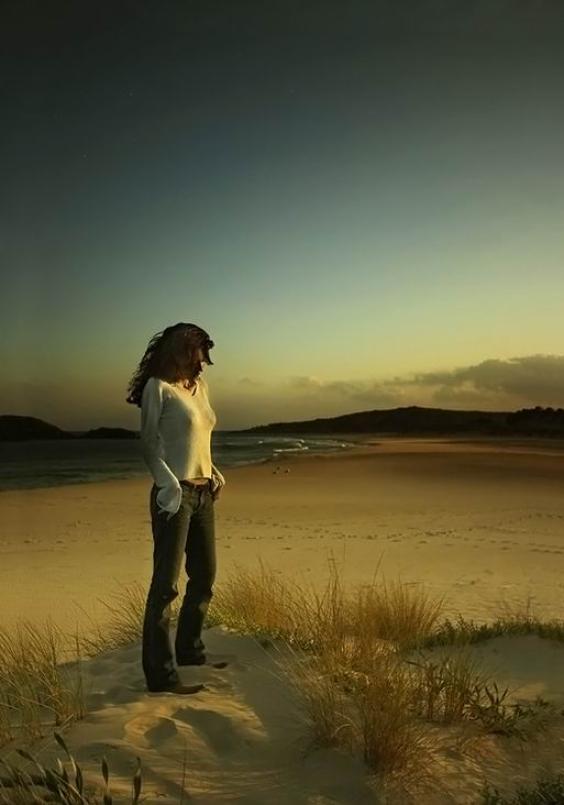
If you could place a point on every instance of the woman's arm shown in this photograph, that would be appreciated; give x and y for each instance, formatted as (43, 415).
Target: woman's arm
(169, 495)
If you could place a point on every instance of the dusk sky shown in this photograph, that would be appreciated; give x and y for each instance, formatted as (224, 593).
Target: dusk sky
(361, 202)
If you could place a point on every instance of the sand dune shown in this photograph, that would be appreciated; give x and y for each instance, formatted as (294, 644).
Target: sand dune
(243, 738)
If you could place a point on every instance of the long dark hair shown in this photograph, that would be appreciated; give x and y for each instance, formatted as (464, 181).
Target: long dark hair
(170, 355)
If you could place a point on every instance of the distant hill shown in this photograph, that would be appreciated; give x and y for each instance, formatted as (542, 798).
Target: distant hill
(415, 420)
(25, 428)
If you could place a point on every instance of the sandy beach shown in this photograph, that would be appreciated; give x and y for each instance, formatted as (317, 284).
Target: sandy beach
(480, 523)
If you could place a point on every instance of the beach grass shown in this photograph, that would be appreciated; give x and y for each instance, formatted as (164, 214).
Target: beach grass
(357, 661)
(123, 624)
(355, 657)
(548, 790)
(40, 686)
(58, 784)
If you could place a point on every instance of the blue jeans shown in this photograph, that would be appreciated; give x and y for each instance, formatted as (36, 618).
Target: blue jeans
(189, 536)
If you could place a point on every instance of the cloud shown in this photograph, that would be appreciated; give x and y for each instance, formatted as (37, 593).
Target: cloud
(306, 383)
(528, 378)
(493, 383)
(361, 391)
(250, 382)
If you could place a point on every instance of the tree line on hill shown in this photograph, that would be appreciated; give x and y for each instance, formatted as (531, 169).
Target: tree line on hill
(413, 420)
(416, 420)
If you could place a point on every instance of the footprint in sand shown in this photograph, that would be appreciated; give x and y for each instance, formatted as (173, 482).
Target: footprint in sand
(150, 730)
(164, 729)
(214, 728)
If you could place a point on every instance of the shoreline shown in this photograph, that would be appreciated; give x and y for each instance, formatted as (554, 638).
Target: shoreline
(372, 444)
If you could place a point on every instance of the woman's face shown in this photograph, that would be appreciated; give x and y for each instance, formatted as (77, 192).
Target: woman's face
(199, 363)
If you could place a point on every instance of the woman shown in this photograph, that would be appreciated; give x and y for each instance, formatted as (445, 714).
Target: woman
(176, 425)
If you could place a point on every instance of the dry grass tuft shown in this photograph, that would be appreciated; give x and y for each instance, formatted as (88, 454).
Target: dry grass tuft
(342, 654)
(259, 603)
(346, 655)
(56, 784)
(446, 687)
(38, 688)
(124, 624)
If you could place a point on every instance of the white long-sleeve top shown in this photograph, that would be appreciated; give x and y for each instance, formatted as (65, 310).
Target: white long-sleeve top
(176, 427)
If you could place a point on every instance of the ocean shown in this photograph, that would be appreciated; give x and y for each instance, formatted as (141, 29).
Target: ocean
(35, 464)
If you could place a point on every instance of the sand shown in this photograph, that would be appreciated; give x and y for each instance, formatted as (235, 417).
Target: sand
(480, 523)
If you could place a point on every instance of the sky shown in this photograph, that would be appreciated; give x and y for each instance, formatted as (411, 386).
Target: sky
(362, 203)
